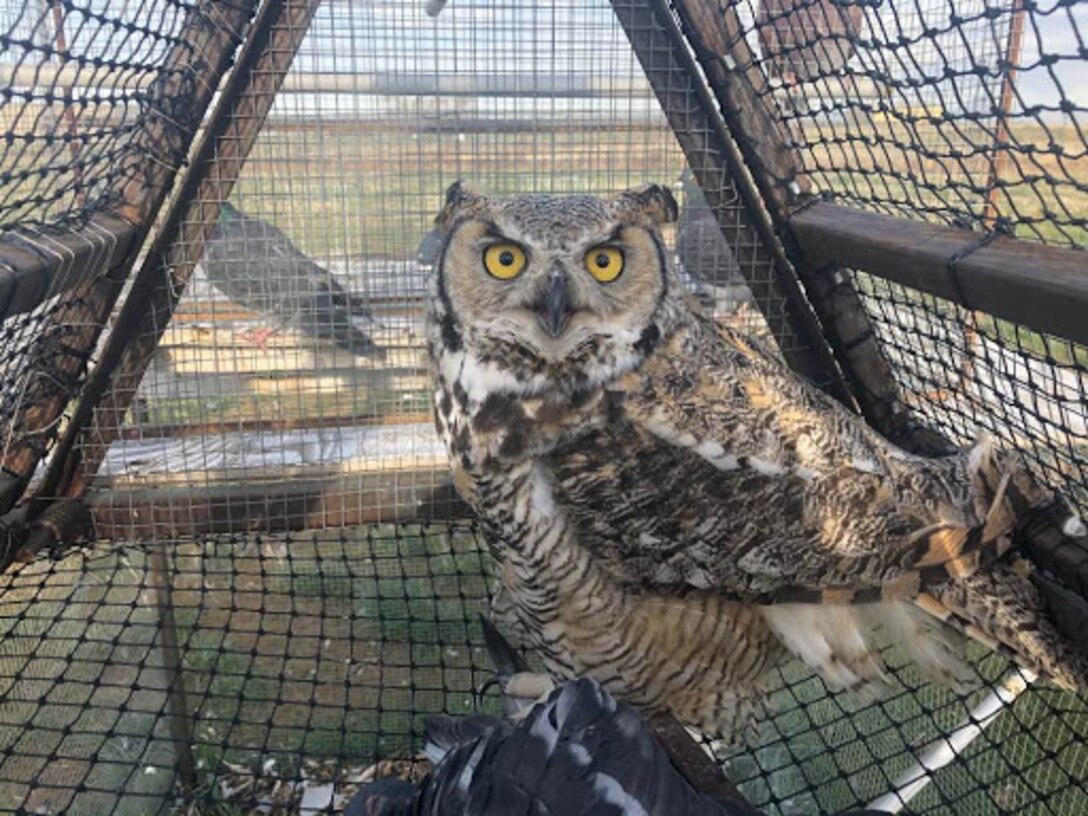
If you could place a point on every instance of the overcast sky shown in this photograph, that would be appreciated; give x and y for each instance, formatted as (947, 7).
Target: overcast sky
(566, 37)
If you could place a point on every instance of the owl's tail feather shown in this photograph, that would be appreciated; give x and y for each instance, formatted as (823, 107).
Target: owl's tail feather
(843, 643)
(1003, 609)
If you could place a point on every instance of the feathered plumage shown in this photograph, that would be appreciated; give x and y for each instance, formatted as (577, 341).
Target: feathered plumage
(430, 247)
(256, 265)
(675, 510)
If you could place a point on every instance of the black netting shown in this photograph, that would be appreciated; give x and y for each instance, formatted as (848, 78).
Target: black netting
(959, 112)
(306, 659)
(968, 373)
(76, 83)
(310, 659)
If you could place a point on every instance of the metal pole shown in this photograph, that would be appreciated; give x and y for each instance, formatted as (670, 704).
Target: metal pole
(945, 750)
(179, 723)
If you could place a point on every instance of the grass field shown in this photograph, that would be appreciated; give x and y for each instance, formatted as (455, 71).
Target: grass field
(375, 193)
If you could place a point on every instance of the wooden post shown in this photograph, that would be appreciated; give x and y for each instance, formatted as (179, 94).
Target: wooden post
(1000, 156)
(179, 723)
(168, 266)
(701, 772)
(67, 336)
(74, 147)
(716, 163)
(741, 88)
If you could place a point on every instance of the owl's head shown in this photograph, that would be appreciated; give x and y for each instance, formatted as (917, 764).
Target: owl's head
(551, 291)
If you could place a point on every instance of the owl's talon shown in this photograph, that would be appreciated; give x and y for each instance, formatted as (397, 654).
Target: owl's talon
(527, 689)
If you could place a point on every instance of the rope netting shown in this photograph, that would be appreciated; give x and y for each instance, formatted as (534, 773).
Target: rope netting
(273, 671)
(962, 113)
(77, 83)
(972, 115)
(309, 661)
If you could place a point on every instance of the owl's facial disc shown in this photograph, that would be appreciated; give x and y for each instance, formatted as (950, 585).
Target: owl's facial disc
(556, 291)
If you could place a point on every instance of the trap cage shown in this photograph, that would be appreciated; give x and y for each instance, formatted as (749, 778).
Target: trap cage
(237, 575)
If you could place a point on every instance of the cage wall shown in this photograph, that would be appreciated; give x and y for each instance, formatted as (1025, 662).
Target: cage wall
(280, 490)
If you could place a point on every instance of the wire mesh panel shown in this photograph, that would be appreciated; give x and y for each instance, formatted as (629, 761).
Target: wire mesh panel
(284, 583)
(331, 222)
(75, 83)
(306, 658)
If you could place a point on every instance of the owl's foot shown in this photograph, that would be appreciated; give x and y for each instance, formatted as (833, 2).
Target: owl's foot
(524, 690)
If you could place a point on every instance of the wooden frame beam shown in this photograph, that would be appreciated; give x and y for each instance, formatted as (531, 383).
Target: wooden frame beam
(36, 265)
(717, 164)
(349, 500)
(1040, 287)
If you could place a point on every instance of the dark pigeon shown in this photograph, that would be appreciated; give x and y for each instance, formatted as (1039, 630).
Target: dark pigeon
(703, 251)
(256, 265)
(580, 753)
(430, 248)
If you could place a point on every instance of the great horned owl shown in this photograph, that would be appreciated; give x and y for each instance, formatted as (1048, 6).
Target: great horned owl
(673, 510)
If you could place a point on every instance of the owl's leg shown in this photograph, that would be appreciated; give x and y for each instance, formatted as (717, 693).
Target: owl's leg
(521, 688)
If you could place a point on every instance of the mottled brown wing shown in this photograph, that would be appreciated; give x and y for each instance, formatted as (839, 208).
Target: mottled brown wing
(723, 469)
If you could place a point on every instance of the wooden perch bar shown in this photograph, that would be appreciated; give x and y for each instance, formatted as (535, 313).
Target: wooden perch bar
(1043, 288)
(40, 264)
(385, 497)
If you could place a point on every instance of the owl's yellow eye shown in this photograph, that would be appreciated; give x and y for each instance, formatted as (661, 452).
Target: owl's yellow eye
(504, 261)
(604, 263)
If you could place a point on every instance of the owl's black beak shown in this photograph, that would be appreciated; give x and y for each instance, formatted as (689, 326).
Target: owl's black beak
(553, 306)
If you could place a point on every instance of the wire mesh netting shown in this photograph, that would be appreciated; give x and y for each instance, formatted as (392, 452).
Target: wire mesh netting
(306, 657)
(100, 105)
(74, 83)
(289, 388)
(967, 114)
(970, 115)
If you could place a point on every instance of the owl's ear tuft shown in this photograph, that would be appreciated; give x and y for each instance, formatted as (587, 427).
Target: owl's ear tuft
(461, 202)
(650, 204)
